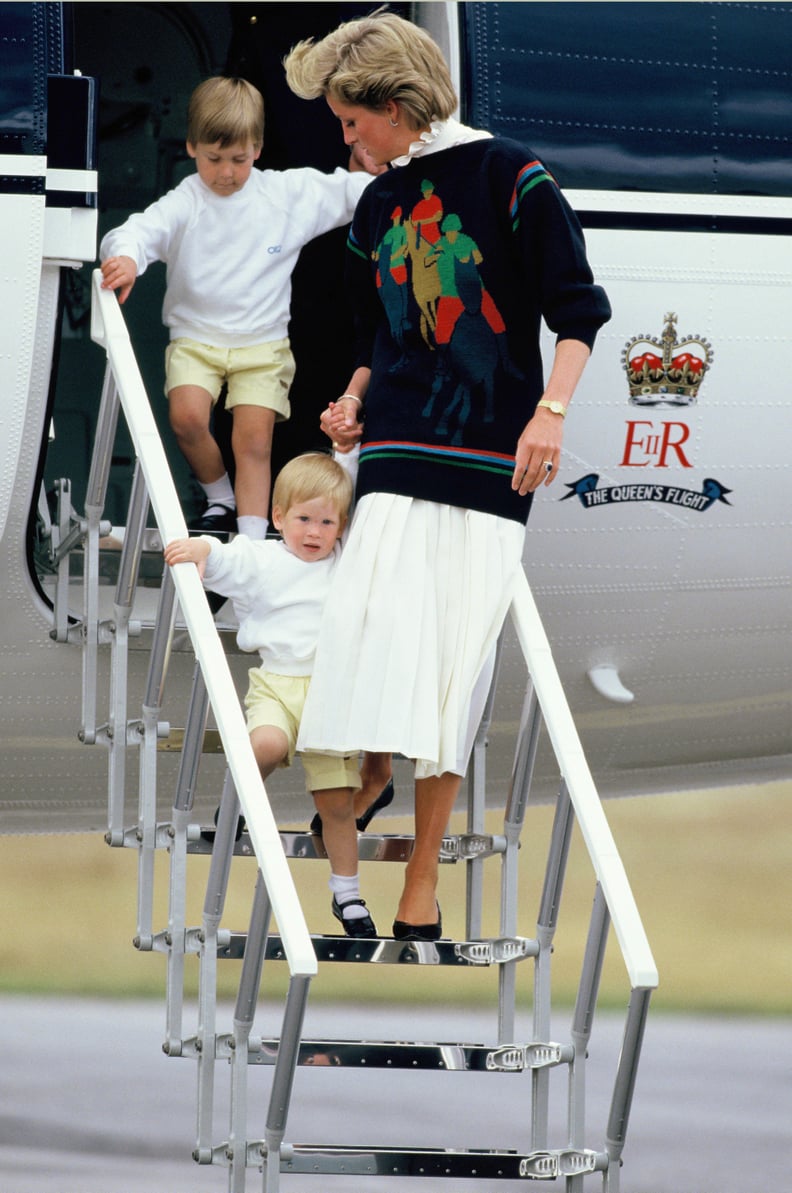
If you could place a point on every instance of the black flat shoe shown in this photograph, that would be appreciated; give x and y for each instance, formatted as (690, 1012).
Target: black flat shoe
(404, 931)
(214, 600)
(220, 524)
(361, 926)
(209, 834)
(384, 798)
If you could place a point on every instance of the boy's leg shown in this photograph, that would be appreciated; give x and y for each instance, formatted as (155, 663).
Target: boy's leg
(251, 443)
(270, 748)
(337, 809)
(333, 781)
(376, 770)
(190, 408)
(339, 833)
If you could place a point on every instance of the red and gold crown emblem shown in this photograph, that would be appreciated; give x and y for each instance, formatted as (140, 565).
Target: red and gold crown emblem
(666, 370)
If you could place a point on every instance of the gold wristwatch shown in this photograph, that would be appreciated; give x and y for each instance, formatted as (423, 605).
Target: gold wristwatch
(555, 407)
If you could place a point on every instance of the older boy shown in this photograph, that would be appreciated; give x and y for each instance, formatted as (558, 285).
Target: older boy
(230, 236)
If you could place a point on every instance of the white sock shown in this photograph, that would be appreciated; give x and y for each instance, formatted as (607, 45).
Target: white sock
(220, 493)
(346, 887)
(253, 526)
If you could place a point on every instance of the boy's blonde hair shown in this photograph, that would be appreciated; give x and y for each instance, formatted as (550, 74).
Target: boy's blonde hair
(372, 60)
(227, 110)
(313, 474)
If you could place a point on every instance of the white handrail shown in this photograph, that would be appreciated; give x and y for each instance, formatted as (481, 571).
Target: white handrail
(109, 330)
(596, 831)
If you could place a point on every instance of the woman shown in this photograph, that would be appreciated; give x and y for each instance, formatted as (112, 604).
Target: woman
(454, 437)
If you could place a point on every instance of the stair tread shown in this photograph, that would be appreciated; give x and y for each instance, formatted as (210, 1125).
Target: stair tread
(300, 843)
(547, 1164)
(386, 951)
(372, 847)
(404, 1054)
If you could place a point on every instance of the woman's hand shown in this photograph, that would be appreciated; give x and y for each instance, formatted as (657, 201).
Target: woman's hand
(538, 452)
(340, 423)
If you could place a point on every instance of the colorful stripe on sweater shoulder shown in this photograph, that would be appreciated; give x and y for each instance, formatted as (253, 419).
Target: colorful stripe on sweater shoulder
(529, 176)
(354, 247)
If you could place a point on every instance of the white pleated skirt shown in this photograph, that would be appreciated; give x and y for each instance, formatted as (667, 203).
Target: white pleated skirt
(409, 630)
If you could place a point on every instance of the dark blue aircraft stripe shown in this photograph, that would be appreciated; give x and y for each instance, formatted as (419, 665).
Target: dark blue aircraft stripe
(21, 184)
(71, 199)
(680, 222)
(27, 184)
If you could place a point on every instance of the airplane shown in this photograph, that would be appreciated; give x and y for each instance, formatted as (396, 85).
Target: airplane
(659, 559)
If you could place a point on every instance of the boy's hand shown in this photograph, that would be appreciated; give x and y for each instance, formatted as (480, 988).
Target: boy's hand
(188, 551)
(340, 423)
(359, 161)
(119, 272)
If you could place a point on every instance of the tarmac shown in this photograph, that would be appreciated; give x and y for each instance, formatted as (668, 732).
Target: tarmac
(90, 1104)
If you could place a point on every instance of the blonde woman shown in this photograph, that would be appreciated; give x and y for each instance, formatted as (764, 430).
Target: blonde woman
(457, 428)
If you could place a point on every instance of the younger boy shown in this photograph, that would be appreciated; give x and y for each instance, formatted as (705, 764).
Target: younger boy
(278, 590)
(230, 236)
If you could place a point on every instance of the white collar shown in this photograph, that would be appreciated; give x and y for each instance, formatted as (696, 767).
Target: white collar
(442, 134)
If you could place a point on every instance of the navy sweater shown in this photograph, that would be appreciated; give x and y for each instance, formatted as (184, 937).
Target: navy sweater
(453, 261)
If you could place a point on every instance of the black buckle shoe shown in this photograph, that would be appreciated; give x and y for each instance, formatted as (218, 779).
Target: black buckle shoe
(219, 525)
(361, 926)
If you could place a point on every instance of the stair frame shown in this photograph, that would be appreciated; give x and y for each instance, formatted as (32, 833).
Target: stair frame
(238, 1049)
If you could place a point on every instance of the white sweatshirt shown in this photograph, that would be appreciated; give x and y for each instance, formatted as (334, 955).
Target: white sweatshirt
(278, 598)
(230, 257)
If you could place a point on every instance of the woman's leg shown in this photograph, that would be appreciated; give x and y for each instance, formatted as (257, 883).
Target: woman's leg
(434, 802)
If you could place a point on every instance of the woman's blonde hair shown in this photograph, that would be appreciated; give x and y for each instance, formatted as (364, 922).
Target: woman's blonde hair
(372, 60)
(313, 474)
(227, 110)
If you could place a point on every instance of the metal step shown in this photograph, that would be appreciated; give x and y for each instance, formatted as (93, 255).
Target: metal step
(304, 844)
(495, 951)
(545, 1165)
(395, 1054)
(372, 847)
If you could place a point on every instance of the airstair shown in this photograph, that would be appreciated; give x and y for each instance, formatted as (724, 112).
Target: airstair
(256, 1153)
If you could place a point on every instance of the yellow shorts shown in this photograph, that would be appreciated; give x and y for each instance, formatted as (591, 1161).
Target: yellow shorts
(278, 700)
(257, 376)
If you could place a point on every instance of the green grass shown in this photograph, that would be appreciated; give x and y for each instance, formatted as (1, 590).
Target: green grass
(710, 872)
